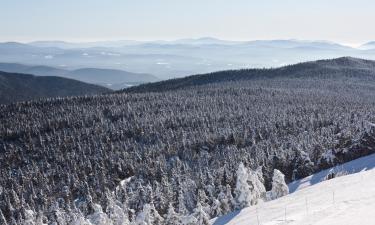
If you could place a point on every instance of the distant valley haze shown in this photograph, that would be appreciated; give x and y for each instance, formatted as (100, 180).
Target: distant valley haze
(162, 59)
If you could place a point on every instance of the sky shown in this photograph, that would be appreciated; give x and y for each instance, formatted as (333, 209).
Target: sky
(343, 21)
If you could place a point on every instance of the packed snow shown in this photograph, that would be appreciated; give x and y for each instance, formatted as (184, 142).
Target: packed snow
(355, 166)
(344, 200)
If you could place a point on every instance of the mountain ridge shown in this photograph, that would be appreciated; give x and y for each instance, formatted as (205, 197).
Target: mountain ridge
(100, 76)
(328, 68)
(177, 58)
(15, 87)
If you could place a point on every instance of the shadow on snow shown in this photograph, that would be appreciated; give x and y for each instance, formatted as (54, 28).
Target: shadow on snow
(226, 218)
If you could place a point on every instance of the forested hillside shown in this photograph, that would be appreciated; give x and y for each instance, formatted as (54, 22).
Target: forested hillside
(171, 156)
(340, 68)
(114, 79)
(23, 87)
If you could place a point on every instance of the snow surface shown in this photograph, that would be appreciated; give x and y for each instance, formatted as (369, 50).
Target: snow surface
(345, 200)
(355, 166)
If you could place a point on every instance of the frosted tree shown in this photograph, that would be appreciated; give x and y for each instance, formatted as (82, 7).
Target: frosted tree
(258, 189)
(216, 209)
(2, 218)
(229, 197)
(59, 215)
(201, 216)
(279, 187)
(182, 210)
(29, 218)
(243, 196)
(144, 217)
(76, 219)
(40, 217)
(117, 213)
(225, 197)
(160, 201)
(98, 217)
(189, 220)
(303, 166)
(172, 217)
(204, 201)
(156, 218)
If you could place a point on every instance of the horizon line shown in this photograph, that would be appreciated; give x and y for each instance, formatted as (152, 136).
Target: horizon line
(98, 40)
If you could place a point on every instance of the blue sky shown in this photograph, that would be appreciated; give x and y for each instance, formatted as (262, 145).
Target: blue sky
(345, 21)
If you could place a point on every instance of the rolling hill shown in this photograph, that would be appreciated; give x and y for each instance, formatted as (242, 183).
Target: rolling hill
(368, 46)
(344, 67)
(178, 58)
(24, 87)
(110, 78)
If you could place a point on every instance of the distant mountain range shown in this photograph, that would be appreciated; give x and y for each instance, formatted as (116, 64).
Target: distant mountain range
(111, 78)
(186, 41)
(16, 87)
(368, 46)
(178, 58)
(339, 68)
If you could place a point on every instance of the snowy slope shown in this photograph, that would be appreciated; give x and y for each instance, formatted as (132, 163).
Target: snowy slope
(345, 200)
(355, 166)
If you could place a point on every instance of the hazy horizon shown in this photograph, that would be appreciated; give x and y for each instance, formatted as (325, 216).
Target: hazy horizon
(345, 21)
(75, 41)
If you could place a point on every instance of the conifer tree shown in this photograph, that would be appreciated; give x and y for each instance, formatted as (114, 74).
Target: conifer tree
(201, 216)
(172, 218)
(279, 187)
(2, 218)
(243, 195)
(257, 187)
(216, 209)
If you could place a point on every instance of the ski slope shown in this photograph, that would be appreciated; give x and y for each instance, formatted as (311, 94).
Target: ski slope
(345, 200)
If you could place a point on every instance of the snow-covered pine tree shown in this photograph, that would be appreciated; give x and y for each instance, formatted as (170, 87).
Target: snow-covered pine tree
(201, 216)
(182, 210)
(156, 218)
(229, 197)
(243, 195)
(29, 218)
(2, 218)
(159, 199)
(98, 217)
(189, 220)
(279, 187)
(76, 219)
(204, 201)
(144, 216)
(258, 189)
(226, 200)
(172, 217)
(216, 209)
(40, 218)
(132, 216)
(116, 212)
(13, 221)
(59, 214)
(303, 166)
(148, 216)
